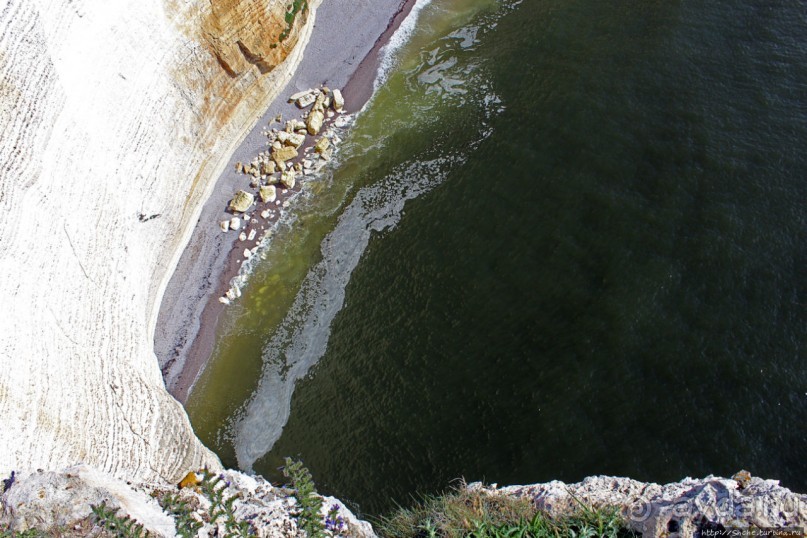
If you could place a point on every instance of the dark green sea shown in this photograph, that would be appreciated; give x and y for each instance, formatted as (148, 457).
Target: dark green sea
(565, 238)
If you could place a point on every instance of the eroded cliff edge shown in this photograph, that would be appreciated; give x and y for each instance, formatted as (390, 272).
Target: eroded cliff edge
(117, 119)
(61, 500)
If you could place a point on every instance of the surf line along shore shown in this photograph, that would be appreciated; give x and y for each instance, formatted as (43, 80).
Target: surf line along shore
(344, 52)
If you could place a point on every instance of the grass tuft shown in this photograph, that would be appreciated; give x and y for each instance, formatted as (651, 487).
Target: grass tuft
(474, 514)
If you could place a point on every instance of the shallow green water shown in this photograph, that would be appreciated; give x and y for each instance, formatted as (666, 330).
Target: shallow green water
(566, 238)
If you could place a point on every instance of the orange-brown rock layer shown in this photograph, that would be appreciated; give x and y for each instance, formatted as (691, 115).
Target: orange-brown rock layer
(245, 33)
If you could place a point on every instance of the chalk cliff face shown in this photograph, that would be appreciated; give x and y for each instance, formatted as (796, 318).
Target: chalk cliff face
(117, 117)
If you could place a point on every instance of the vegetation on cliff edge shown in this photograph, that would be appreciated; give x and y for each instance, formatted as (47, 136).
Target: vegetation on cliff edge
(464, 513)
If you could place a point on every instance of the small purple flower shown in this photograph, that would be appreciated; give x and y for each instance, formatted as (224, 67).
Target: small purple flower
(334, 522)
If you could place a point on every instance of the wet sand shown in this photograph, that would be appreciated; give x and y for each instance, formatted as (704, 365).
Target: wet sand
(343, 52)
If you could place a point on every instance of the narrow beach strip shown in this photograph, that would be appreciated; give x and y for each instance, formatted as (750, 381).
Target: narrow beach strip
(345, 51)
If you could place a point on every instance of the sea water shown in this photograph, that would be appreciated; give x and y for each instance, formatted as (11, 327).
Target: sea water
(564, 238)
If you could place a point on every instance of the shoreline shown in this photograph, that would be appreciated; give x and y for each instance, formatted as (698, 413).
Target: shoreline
(189, 312)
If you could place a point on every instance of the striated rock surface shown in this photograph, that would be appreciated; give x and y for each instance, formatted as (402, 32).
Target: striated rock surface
(117, 117)
(678, 509)
(246, 33)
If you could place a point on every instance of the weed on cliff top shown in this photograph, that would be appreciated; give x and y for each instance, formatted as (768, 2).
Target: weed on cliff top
(462, 513)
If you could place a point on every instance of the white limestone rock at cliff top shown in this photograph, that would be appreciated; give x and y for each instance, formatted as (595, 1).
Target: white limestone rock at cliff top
(691, 504)
(52, 500)
(111, 112)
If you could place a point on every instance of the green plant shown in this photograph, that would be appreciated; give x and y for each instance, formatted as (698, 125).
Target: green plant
(602, 522)
(211, 486)
(297, 6)
(221, 507)
(428, 529)
(454, 514)
(593, 525)
(186, 525)
(462, 513)
(310, 503)
(120, 526)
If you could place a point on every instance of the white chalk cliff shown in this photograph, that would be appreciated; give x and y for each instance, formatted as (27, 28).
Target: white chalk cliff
(117, 117)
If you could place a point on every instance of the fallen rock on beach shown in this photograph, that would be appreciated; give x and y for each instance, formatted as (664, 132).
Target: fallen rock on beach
(322, 145)
(291, 139)
(338, 101)
(294, 97)
(315, 119)
(242, 200)
(268, 194)
(281, 156)
(268, 167)
(288, 178)
(306, 100)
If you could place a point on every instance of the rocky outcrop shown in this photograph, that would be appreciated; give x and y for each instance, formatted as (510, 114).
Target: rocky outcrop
(682, 508)
(49, 500)
(61, 502)
(116, 121)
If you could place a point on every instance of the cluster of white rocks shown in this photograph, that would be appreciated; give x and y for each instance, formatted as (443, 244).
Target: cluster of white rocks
(291, 155)
(61, 502)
